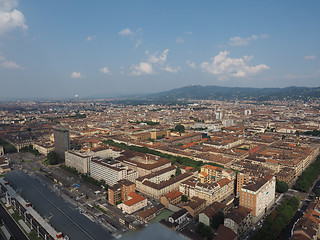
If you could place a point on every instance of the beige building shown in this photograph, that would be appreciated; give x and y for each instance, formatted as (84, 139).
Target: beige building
(195, 206)
(43, 148)
(134, 203)
(211, 192)
(78, 161)
(1, 151)
(143, 163)
(239, 220)
(171, 198)
(258, 196)
(156, 190)
(211, 173)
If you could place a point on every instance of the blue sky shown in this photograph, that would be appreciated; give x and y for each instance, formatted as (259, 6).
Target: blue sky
(56, 49)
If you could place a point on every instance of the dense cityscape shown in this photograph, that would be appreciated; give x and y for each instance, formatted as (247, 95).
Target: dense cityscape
(206, 169)
(159, 120)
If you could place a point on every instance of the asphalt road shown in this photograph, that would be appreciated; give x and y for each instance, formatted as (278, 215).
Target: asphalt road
(286, 234)
(61, 215)
(11, 225)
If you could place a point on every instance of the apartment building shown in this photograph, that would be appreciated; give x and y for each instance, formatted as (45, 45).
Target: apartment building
(110, 171)
(211, 192)
(258, 196)
(212, 173)
(79, 161)
(149, 187)
(120, 191)
(239, 220)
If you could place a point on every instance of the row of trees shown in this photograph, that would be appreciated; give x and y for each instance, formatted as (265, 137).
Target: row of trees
(174, 159)
(308, 176)
(53, 158)
(30, 149)
(277, 220)
(204, 231)
(84, 176)
(8, 148)
(281, 186)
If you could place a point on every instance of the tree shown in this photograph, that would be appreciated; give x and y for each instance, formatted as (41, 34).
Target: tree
(179, 128)
(178, 171)
(204, 231)
(217, 219)
(281, 186)
(184, 198)
(53, 158)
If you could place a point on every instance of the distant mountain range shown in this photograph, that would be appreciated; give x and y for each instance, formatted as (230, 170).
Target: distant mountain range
(237, 93)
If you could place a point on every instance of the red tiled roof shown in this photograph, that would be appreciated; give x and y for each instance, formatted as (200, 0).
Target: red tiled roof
(173, 194)
(135, 198)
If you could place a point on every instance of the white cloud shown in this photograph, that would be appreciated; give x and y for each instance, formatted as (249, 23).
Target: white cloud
(160, 59)
(76, 75)
(310, 57)
(142, 68)
(126, 32)
(179, 40)
(11, 65)
(133, 35)
(11, 18)
(91, 38)
(8, 64)
(226, 67)
(191, 64)
(155, 60)
(239, 41)
(188, 33)
(105, 70)
(7, 5)
(138, 43)
(170, 69)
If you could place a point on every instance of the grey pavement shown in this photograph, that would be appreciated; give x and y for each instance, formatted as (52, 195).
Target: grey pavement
(62, 216)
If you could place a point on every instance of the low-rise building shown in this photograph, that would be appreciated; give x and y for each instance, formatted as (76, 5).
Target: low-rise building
(178, 217)
(195, 206)
(1, 150)
(171, 198)
(225, 233)
(134, 203)
(4, 164)
(207, 214)
(43, 148)
(150, 213)
(239, 220)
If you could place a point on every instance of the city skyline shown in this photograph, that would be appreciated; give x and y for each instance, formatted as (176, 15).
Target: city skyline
(60, 49)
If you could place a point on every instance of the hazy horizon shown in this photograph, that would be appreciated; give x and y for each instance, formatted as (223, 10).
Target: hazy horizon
(58, 49)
